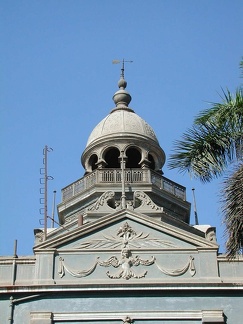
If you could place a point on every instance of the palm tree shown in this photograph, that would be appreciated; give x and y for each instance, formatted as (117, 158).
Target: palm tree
(214, 147)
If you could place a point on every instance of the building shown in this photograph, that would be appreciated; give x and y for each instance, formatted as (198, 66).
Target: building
(125, 251)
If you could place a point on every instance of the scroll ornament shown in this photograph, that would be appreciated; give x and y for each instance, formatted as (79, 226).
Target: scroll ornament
(102, 201)
(145, 201)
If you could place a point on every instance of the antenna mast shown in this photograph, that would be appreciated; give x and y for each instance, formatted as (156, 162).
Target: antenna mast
(44, 191)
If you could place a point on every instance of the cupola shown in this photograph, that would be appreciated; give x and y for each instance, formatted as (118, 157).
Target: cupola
(123, 170)
(123, 131)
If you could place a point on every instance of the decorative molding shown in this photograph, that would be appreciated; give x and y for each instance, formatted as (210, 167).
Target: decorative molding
(41, 318)
(127, 320)
(126, 262)
(39, 236)
(216, 316)
(103, 202)
(75, 273)
(146, 202)
(70, 218)
(125, 236)
(178, 272)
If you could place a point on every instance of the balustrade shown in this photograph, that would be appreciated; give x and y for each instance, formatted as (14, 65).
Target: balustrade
(115, 176)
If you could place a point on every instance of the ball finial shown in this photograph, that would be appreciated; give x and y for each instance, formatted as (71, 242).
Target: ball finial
(122, 83)
(122, 98)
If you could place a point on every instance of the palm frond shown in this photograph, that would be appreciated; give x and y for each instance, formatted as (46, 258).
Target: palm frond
(232, 209)
(214, 141)
(228, 113)
(227, 116)
(204, 152)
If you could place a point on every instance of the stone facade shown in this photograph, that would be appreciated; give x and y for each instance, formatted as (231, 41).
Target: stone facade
(124, 251)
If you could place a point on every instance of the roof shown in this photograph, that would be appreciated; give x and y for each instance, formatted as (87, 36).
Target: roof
(120, 122)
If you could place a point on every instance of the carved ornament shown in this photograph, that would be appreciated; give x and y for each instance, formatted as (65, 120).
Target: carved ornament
(102, 201)
(126, 238)
(145, 201)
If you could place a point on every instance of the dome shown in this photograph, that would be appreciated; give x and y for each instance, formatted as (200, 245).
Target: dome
(122, 122)
(122, 131)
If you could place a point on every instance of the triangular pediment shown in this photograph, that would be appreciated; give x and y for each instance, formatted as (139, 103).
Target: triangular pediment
(128, 228)
(127, 245)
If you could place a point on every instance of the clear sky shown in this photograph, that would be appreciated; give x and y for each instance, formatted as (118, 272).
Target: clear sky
(57, 81)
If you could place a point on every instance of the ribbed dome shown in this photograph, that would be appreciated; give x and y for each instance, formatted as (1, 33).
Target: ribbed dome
(122, 122)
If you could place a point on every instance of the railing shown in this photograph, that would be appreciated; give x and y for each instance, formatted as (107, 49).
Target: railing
(168, 185)
(115, 176)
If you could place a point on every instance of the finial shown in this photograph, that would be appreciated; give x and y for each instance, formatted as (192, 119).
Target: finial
(121, 97)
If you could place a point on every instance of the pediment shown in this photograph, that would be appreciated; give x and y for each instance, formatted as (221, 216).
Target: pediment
(127, 228)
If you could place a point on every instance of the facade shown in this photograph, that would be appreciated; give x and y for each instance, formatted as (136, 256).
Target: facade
(125, 251)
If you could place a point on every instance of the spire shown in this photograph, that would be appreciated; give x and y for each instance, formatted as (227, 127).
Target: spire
(122, 98)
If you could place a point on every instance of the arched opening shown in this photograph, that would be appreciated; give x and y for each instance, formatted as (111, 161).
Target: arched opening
(92, 161)
(133, 158)
(111, 158)
(152, 162)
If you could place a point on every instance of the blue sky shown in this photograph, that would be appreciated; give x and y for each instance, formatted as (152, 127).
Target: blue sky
(57, 81)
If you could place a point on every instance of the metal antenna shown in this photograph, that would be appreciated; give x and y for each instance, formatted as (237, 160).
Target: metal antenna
(44, 191)
(123, 65)
(195, 207)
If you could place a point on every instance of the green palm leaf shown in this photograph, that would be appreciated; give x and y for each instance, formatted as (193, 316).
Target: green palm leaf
(232, 201)
(212, 145)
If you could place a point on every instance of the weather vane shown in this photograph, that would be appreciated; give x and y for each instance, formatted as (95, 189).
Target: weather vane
(123, 65)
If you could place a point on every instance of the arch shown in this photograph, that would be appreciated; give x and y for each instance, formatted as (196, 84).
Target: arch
(111, 157)
(152, 162)
(133, 158)
(92, 161)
